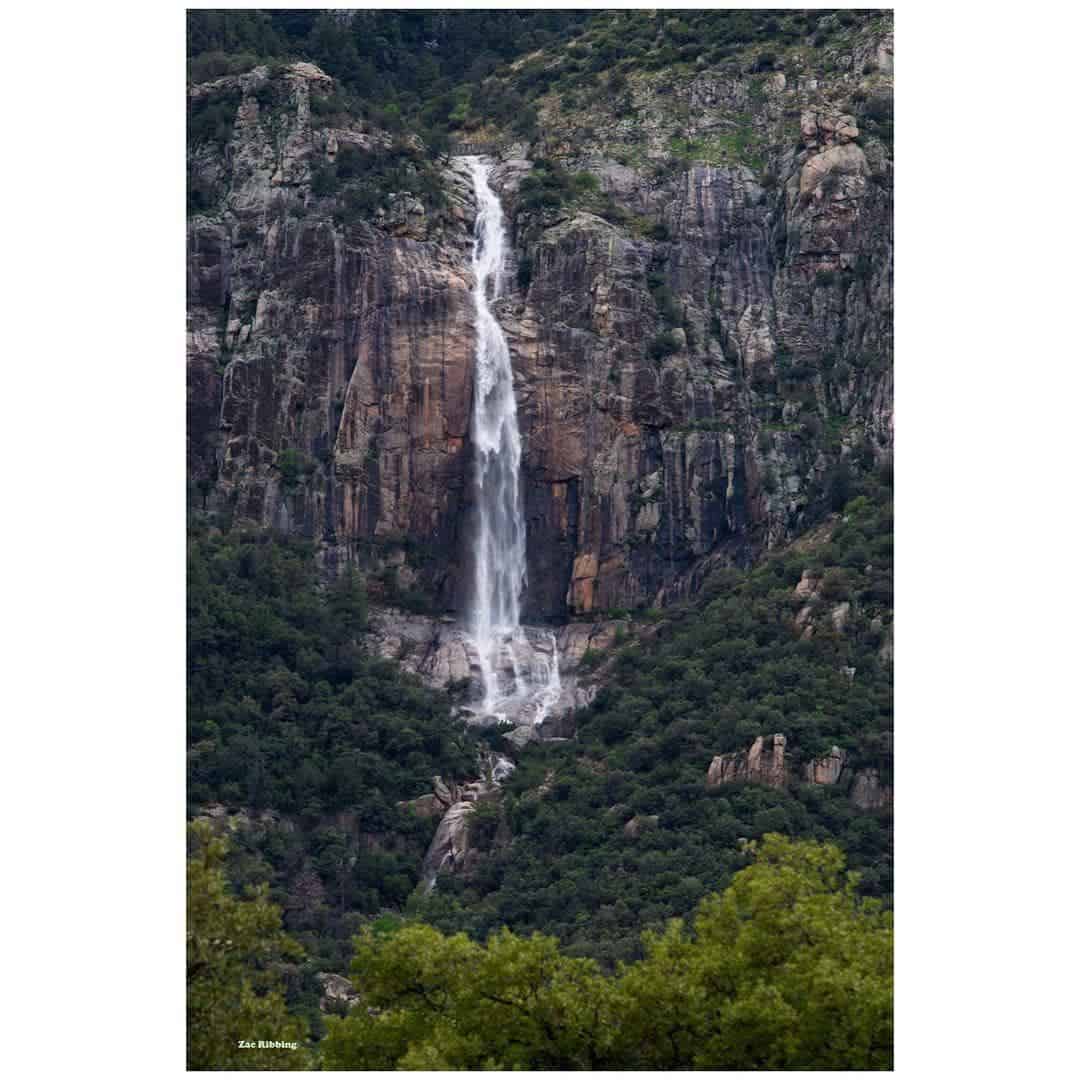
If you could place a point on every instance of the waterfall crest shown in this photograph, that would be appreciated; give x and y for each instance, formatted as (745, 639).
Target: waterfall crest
(517, 678)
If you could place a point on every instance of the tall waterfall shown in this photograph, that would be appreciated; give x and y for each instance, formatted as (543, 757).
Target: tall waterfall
(518, 679)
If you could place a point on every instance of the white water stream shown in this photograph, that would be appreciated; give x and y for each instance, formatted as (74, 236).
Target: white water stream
(520, 680)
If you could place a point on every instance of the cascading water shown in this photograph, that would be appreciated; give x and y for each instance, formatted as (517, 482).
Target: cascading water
(517, 678)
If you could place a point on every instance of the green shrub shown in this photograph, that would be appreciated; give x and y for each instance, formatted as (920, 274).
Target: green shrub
(211, 117)
(291, 465)
(664, 344)
(324, 181)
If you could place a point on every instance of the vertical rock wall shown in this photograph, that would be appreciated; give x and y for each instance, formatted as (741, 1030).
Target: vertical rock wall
(330, 356)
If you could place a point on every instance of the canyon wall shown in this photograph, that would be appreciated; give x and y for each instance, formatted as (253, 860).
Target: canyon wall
(700, 334)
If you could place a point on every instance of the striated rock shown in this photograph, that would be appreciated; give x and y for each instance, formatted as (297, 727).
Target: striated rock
(449, 850)
(868, 792)
(350, 342)
(764, 763)
(827, 769)
(761, 764)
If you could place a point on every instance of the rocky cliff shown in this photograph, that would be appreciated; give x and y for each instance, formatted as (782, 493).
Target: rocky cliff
(764, 762)
(700, 322)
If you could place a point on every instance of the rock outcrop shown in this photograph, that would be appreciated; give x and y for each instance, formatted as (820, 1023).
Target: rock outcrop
(868, 792)
(338, 994)
(638, 824)
(763, 763)
(767, 762)
(827, 769)
(450, 849)
(439, 650)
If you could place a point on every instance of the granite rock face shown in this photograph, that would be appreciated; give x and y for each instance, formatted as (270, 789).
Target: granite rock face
(869, 793)
(330, 354)
(827, 769)
(767, 762)
(440, 651)
(761, 764)
(450, 849)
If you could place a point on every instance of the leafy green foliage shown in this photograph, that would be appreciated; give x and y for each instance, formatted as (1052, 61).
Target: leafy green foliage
(211, 116)
(876, 117)
(288, 713)
(717, 674)
(235, 951)
(549, 185)
(664, 344)
(787, 969)
(409, 66)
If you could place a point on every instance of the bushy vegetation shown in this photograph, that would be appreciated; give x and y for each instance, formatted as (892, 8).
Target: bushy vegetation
(787, 969)
(210, 117)
(611, 44)
(549, 185)
(437, 72)
(288, 713)
(364, 178)
(402, 67)
(717, 674)
(237, 957)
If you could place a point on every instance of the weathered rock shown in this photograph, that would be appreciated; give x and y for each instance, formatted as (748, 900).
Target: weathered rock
(761, 764)
(351, 345)
(337, 991)
(523, 734)
(868, 792)
(449, 850)
(827, 769)
(450, 845)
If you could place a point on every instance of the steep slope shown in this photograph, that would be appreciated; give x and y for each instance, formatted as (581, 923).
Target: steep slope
(698, 311)
(764, 705)
(700, 325)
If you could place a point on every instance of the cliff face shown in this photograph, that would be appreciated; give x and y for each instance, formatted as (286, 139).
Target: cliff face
(330, 357)
(700, 336)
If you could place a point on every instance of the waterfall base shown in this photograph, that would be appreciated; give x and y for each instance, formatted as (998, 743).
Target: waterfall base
(442, 652)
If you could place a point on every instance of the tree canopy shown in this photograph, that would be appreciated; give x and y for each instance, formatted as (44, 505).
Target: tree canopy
(788, 968)
(234, 985)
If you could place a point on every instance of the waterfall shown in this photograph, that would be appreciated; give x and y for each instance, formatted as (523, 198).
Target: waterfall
(516, 677)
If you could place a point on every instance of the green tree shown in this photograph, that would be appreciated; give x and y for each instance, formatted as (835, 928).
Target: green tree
(787, 969)
(233, 990)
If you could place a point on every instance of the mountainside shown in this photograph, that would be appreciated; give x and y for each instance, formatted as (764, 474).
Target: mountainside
(700, 324)
(696, 297)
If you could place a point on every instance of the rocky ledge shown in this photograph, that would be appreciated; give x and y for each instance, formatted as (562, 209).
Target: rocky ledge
(441, 652)
(766, 762)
